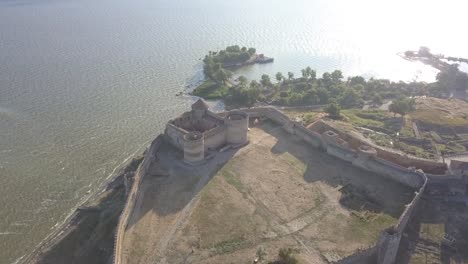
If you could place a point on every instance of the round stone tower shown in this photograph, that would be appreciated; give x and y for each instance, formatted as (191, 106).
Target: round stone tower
(237, 123)
(194, 147)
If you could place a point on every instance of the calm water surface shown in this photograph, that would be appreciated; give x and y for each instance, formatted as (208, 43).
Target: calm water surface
(84, 85)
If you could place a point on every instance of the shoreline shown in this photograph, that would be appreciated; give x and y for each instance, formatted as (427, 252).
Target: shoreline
(108, 196)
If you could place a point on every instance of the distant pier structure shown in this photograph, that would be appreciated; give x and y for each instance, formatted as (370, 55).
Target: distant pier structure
(200, 131)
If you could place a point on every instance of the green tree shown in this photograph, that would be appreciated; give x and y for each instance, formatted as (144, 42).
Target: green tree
(377, 100)
(451, 79)
(305, 74)
(222, 76)
(254, 84)
(350, 98)
(402, 106)
(242, 80)
(279, 77)
(333, 110)
(312, 73)
(265, 81)
(323, 95)
(290, 75)
(234, 48)
(336, 76)
(295, 99)
(326, 79)
(311, 97)
(357, 80)
(252, 51)
(397, 108)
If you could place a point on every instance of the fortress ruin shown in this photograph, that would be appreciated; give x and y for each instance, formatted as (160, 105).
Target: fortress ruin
(200, 131)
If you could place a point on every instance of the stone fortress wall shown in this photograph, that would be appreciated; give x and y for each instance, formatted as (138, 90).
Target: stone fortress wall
(366, 158)
(149, 159)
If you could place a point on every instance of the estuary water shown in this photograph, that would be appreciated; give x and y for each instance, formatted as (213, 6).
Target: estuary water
(85, 85)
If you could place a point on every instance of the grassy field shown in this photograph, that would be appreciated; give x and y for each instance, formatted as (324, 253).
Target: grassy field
(440, 112)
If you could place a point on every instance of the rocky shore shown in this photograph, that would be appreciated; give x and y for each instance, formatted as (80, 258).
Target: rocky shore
(87, 236)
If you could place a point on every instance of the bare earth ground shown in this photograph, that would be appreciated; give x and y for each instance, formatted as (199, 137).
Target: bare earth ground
(276, 192)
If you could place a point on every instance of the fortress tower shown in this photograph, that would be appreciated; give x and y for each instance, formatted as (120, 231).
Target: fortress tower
(237, 125)
(199, 109)
(194, 147)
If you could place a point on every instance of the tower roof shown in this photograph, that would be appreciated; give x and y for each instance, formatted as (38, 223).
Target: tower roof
(200, 104)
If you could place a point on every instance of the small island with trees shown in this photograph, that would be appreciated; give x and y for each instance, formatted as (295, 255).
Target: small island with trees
(216, 65)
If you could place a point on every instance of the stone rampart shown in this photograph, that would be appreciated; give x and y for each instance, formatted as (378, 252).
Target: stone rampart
(397, 173)
(150, 157)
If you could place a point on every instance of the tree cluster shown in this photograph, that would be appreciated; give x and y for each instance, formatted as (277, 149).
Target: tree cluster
(215, 62)
(450, 80)
(402, 105)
